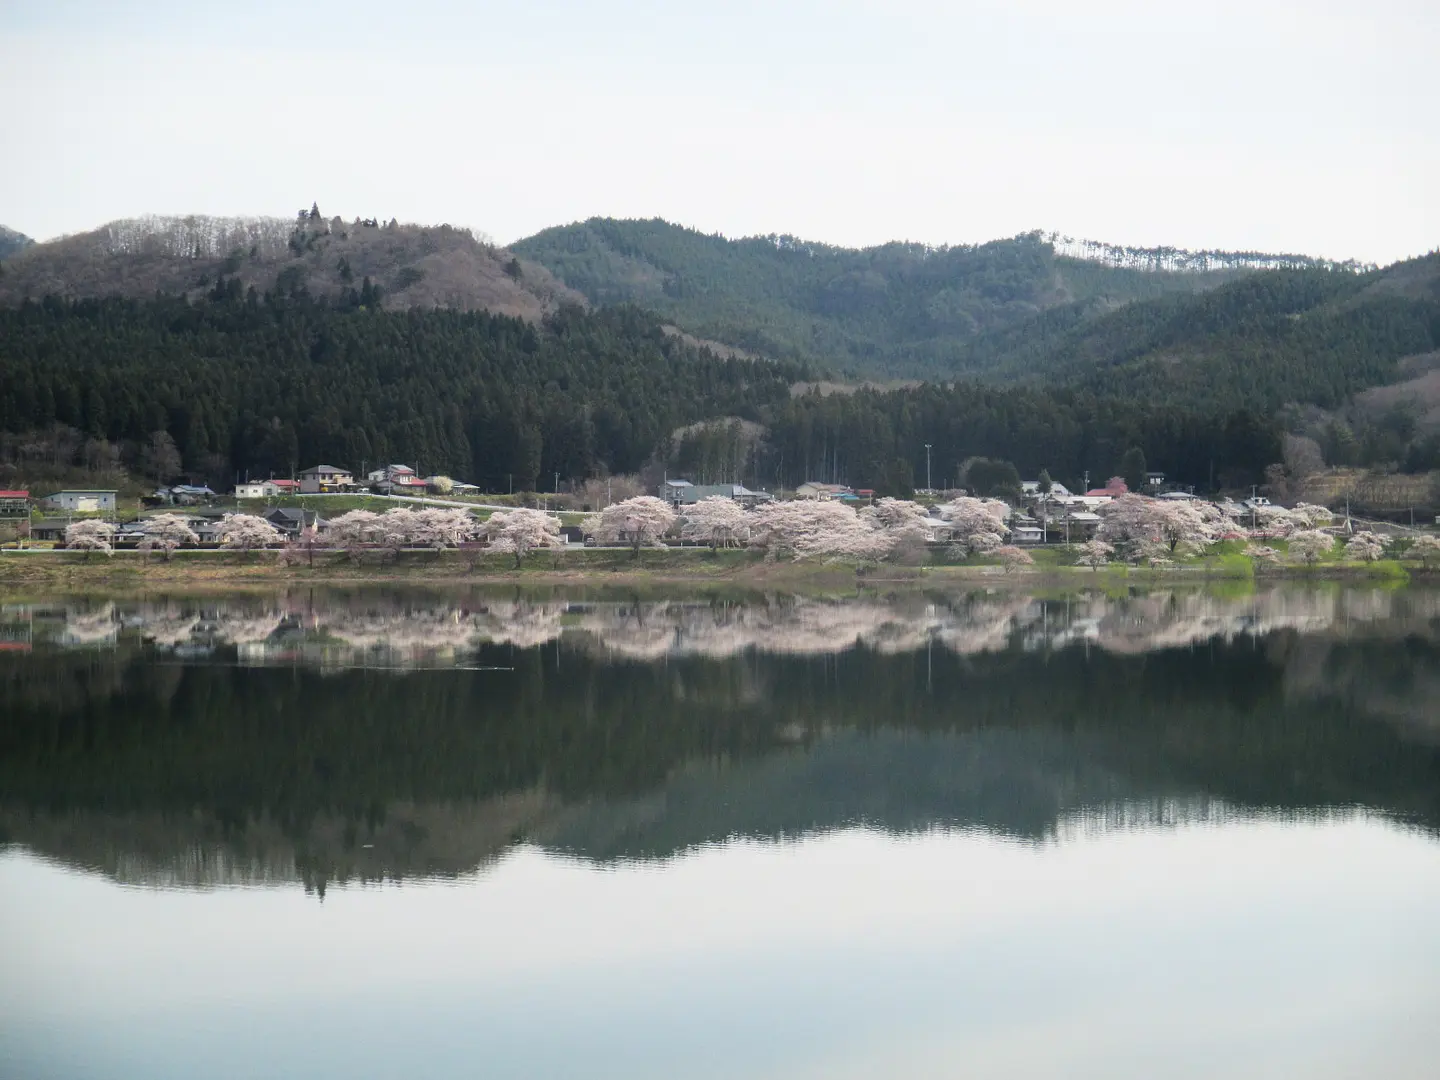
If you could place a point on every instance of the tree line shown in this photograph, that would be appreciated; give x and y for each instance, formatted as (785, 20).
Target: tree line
(265, 385)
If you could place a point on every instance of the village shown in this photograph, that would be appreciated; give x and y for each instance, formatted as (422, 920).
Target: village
(321, 509)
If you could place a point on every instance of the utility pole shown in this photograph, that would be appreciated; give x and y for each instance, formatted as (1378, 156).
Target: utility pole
(557, 483)
(512, 482)
(927, 468)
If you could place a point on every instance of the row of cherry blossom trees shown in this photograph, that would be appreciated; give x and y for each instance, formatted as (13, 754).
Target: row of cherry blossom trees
(1134, 528)
(804, 529)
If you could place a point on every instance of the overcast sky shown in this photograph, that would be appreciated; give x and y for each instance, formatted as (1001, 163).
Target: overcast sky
(1280, 126)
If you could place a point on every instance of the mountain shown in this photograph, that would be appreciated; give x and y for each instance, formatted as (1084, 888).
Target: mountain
(265, 384)
(413, 266)
(897, 310)
(1312, 336)
(12, 242)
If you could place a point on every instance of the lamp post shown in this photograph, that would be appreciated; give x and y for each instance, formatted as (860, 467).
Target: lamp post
(927, 467)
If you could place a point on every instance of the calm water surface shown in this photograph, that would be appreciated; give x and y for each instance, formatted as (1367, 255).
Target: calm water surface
(386, 833)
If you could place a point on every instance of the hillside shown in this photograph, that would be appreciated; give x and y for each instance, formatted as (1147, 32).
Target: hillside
(12, 242)
(414, 266)
(222, 385)
(899, 309)
(1311, 336)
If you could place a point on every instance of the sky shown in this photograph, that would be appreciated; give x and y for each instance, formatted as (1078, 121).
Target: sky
(1267, 125)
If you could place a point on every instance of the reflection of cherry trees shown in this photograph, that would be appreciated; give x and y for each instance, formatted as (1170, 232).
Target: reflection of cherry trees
(406, 634)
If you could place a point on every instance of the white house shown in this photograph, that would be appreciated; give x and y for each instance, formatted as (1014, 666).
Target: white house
(1032, 487)
(97, 501)
(257, 489)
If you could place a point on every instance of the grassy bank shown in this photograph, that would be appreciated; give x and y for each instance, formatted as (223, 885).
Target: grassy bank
(68, 571)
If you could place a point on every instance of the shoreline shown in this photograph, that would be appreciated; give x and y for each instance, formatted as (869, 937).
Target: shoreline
(62, 571)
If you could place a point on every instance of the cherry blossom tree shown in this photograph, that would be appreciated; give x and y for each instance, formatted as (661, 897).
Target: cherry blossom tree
(1311, 516)
(245, 531)
(1128, 521)
(521, 531)
(1311, 545)
(1012, 557)
(1277, 521)
(90, 535)
(355, 531)
(1133, 522)
(1263, 553)
(808, 528)
(639, 522)
(303, 545)
(399, 528)
(907, 525)
(1095, 553)
(898, 515)
(447, 526)
(716, 520)
(976, 525)
(1365, 546)
(165, 533)
(1425, 548)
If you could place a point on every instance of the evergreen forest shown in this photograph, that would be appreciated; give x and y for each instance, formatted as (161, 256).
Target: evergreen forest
(266, 385)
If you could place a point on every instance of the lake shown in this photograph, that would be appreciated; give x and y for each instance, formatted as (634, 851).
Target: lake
(401, 832)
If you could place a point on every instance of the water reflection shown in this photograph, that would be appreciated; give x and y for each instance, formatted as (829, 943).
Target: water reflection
(398, 629)
(267, 738)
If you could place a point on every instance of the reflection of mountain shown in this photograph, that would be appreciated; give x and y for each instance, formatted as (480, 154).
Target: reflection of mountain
(997, 712)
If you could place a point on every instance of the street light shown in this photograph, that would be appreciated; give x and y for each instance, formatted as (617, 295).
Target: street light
(927, 467)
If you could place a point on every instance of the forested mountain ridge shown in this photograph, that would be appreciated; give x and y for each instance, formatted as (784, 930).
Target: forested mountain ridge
(410, 265)
(899, 309)
(1267, 340)
(234, 382)
(271, 384)
(12, 242)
